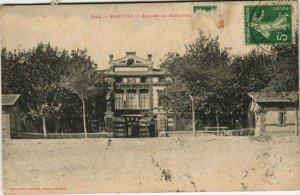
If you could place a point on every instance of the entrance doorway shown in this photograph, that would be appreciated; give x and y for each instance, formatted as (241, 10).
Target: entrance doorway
(132, 125)
(138, 125)
(132, 129)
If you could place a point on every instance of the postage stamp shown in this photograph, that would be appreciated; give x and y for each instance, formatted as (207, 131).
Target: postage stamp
(268, 24)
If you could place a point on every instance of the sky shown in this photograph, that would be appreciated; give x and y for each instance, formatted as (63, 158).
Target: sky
(105, 29)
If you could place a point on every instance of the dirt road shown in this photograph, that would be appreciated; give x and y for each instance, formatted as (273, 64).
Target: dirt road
(152, 164)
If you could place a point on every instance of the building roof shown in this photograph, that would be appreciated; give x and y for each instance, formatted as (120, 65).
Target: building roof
(131, 60)
(274, 97)
(134, 73)
(9, 99)
(146, 73)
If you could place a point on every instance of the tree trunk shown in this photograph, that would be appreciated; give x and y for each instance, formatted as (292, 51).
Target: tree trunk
(234, 121)
(44, 127)
(56, 126)
(193, 115)
(218, 123)
(83, 117)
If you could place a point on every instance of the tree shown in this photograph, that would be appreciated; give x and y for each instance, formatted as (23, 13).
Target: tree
(216, 83)
(176, 98)
(46, 103)
(82, 79)
(201, 72)
(286, 77)
(251, 72)
(34, 74)
(7, 62)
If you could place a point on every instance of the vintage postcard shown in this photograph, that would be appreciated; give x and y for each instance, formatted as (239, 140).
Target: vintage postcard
(150, 97)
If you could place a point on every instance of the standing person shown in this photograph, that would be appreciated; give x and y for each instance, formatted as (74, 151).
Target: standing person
(129, 130)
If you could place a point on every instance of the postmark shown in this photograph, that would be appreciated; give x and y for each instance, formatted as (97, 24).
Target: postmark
(268, 24)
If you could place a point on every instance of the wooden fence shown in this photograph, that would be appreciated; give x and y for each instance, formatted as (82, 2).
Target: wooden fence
(213, 131)
(61, 136)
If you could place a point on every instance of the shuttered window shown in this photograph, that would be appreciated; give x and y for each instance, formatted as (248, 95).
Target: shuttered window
(119, 100)
(132, 99)
(144, 99)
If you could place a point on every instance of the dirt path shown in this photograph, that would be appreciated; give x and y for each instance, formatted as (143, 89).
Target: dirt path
(152, 165)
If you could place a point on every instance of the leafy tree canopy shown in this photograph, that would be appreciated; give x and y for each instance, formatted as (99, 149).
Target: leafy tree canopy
(220, 82)
(36, 74)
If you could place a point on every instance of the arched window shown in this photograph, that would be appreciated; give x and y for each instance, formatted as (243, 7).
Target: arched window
(119, 99)
(144, 99)
(132, 99)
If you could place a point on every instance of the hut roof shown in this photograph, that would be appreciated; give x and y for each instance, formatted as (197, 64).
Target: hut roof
(9, 99)
(274, 97)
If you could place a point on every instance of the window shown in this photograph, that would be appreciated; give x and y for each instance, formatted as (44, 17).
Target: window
(119, 100)
(131, 80)
(144, 99)
(132, 99)
(281, 118)
(143, 80)
(119, 80)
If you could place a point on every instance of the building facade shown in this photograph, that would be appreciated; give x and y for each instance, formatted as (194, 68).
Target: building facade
(11, 116)
(133, 108)
(274, 113)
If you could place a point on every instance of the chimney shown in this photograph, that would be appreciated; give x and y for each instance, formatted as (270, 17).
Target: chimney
(111, 57)
(149, 57)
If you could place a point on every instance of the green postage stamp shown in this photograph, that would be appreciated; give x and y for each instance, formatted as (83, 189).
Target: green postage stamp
(268, 24)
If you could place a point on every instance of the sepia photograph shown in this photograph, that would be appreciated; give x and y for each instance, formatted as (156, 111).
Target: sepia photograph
(150, 97)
